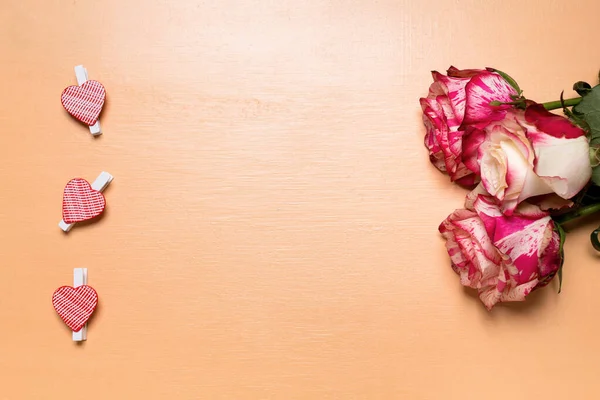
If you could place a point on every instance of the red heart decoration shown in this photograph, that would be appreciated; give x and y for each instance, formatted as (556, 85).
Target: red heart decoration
(75, 305)
(84, 102)
(81, 202)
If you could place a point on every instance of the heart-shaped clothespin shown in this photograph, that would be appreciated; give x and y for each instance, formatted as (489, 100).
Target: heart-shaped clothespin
(75, 305)
(82, 201)
(84, 102)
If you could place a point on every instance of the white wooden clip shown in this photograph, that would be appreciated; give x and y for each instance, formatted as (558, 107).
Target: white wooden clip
(80, 278)
(99, 184)
(82, 76)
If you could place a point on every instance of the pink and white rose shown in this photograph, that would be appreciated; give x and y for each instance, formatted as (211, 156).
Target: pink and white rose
(454, 101)
(503, 257)
(526, 154)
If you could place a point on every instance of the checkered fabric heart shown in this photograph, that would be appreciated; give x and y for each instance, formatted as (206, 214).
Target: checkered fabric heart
(75, 305)
(84, 102)
(81, 202)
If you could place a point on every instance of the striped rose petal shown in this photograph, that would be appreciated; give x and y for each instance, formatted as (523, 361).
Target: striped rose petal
(81, 202)
(75, 305)
(84, 102)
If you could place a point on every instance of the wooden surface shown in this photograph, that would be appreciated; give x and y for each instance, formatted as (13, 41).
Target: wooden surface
(271, 232)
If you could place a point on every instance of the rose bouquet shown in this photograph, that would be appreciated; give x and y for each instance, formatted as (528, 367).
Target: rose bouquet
(529, 171)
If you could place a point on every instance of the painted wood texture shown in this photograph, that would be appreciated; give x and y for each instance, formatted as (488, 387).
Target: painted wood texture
(271, 232)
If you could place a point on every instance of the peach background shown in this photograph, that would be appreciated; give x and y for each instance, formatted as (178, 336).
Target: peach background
(271, 229)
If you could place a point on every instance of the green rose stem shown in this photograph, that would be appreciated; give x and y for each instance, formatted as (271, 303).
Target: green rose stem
(550, 105)
(582, 212)
(553, 105)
